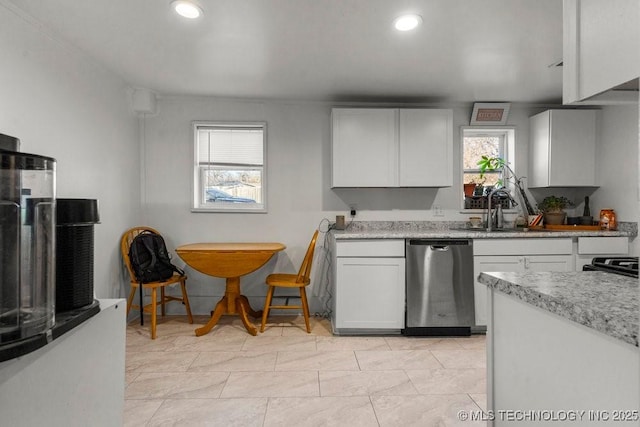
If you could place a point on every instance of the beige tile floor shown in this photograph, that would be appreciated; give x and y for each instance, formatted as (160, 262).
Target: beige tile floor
(286, 377)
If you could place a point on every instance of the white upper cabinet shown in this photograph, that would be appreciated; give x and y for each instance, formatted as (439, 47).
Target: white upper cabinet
(562, 147)
(364, 149)
(601, 41)
(426, 148)
(391, 147)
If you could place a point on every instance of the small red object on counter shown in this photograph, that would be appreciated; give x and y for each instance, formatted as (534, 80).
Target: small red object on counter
(608, 219)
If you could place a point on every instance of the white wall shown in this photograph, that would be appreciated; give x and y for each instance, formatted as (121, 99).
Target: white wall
(617, 160)
(616, 156)
(64, 105)
(419, 203)
(299, 193)
(61, 104)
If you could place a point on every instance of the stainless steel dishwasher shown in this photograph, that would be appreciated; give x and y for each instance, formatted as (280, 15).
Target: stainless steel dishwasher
(439, 287)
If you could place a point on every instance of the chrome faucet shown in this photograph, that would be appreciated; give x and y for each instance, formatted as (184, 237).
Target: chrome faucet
(504, 191)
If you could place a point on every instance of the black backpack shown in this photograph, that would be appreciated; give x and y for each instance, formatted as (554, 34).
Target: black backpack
(149, 258)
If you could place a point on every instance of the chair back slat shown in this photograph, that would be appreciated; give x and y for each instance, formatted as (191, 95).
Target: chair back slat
(304, 273)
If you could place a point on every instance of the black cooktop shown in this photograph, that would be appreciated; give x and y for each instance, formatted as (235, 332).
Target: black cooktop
(625, 266)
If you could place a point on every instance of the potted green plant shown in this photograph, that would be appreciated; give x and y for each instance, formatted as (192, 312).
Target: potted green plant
(552, 207)
(487, 163)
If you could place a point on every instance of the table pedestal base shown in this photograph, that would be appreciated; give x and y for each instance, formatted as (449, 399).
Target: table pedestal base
(232, 303)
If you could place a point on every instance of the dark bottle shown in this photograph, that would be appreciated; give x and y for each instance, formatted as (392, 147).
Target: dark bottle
(587, 211)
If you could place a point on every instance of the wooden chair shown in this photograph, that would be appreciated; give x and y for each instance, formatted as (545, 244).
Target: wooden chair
(300, 281)
(125, 243)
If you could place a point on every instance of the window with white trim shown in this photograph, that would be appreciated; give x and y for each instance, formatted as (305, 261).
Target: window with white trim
(229, 173)
(498, 142)
(478, 143)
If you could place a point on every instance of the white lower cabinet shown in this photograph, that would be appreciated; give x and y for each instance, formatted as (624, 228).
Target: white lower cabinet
(76, 379)
(512, 263)
(369, 286)
(592, 247)
(369, 274)
(517, 255)
(537, 359)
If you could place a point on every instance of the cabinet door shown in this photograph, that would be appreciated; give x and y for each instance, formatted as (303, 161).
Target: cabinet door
(511, 263)
(426, 148)
(591, 247)
(364, 147)
(548, 263)
(539, 146)
(370, 293)
(598, 38)
(572, 160)
(562, 148)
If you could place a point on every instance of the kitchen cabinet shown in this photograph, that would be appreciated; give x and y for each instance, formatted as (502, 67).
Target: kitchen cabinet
(369, 286)
(364, 147)
(600, 45)
(537, 359)
(591, 247)
(77, 379)
(392, 147)
(517, 255)
(426, 148)
(562, 146)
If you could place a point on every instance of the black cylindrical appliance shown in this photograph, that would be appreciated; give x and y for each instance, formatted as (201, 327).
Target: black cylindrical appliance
(74, 252)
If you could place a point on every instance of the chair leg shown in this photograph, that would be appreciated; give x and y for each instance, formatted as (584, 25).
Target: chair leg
(162, 301)
(141, 305)
(305, 308)
(132, 294)
(267, 304)
(154, 308)
(185, 300)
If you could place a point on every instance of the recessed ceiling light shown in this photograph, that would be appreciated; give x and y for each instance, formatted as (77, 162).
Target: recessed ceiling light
(187, 9)
(407, 22)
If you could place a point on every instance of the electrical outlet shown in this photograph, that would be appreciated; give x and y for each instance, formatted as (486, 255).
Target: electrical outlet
(437, 211)
(352, 211)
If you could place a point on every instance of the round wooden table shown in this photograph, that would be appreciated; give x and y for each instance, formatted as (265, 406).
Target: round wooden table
(229, 261)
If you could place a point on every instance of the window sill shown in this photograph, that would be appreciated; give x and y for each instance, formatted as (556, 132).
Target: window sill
(229, 210)
(481, 211)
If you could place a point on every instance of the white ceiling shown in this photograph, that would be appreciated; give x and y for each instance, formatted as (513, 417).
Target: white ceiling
(334, 50)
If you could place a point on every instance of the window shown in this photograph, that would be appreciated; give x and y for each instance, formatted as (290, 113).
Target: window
(478, 143)
(491, 142)
(230, 167)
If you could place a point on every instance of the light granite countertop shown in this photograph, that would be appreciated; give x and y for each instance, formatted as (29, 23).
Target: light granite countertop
(602, 301)
(458, 229)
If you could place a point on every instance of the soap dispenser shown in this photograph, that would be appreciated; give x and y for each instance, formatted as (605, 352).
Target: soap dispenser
(499, 217)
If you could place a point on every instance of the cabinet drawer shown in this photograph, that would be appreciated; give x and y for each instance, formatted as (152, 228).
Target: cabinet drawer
(535, 246)
(603, 245)
(370, 248)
